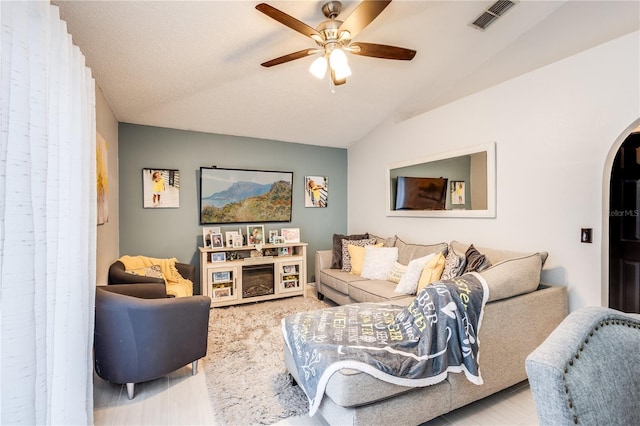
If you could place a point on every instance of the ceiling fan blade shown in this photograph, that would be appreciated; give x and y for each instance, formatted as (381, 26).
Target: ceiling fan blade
(287, 20)
(382, 51)
(362, 16)
(290, 57)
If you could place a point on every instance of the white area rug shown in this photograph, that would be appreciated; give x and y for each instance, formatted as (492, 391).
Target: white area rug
(246, 377)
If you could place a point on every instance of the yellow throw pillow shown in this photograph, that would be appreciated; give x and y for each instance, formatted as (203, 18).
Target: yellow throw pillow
(397, 272)
(356, 253)
(431, 272)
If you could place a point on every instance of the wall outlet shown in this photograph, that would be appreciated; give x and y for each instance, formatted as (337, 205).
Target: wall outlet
(586, 235)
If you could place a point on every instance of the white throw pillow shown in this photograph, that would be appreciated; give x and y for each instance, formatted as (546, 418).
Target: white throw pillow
(378, 262)
(409, 282)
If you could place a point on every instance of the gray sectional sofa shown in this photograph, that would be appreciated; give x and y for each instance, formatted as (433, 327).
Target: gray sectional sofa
(520, 313)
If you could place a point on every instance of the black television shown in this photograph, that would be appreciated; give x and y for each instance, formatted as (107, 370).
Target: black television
(421, 193)
(244, 196)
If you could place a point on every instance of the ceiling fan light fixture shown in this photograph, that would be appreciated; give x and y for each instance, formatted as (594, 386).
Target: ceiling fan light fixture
(342, 72)
(337, 58)
(318, 67)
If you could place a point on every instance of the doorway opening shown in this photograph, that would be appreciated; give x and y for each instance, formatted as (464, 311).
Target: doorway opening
(624, 227)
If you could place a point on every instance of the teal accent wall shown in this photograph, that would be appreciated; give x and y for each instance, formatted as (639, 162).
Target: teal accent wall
(176, 232)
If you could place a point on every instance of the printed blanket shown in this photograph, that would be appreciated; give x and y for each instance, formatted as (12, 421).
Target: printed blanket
(414, 346)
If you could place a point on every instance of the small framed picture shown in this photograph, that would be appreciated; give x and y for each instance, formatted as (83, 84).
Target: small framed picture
(273, 233)
(218, 257)
(216, 240)
(207, 232)
(229, 237)
(316, 191)
(278, 240)
(222, 292)
(237, 240)
(457, 192)
(289, 269)
(291, 235)
(222, 277)
(255, 234)
(290, 283)
(284, 251)
(160, 188)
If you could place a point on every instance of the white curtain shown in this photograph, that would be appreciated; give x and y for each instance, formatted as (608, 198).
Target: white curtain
(47, 220)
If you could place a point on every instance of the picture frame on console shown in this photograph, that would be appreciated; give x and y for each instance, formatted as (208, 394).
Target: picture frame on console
(229, 237)
(218, 257)
(291, 235)
(221, 292)
(221, 277)
(255, 234)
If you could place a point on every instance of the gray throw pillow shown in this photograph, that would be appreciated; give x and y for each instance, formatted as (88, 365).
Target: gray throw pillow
(336, 259)
(476, 261)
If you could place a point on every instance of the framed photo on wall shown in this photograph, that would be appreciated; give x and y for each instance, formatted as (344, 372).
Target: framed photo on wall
(457, 192)
(244, 196)
(160, 188)
(316, 191)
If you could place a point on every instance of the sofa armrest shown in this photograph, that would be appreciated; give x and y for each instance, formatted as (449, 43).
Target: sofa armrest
(323, 260)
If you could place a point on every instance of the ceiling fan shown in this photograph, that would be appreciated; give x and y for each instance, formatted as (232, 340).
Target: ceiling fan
(334, 37)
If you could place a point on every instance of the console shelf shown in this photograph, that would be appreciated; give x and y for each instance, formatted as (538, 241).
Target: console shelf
(243, 277)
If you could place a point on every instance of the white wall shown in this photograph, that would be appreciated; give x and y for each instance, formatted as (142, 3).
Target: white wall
(108, 234)
(553, 128)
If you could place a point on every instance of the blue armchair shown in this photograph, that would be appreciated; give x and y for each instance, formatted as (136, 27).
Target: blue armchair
(587, 370)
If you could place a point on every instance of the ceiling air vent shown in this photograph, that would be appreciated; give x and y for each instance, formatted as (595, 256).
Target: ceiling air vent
(490, 15)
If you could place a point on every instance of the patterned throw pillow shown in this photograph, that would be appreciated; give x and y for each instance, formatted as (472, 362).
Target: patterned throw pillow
(476, 261)
(346, 258)
(397, 271)
(336, 259)
(454, 265)
(409, 282)
(378, 262)
(153, 271)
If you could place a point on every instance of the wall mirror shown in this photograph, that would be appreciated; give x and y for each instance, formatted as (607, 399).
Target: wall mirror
(468, 176)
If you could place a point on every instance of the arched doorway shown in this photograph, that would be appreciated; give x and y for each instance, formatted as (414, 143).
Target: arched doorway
(624, 227)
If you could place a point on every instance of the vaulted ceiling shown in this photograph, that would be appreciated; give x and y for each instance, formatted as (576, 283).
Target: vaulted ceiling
(195, 65)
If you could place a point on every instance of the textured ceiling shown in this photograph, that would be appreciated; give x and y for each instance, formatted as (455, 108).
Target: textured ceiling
(196, 65)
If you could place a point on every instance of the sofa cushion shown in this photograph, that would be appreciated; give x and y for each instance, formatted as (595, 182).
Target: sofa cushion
(378, 262)
(431, 272)
(346, 257)
(454, 264)
(356, 255)
(377, 291)
(409, 282)
(408, 252)
(338, 280)
(476, 261)
(512, 273)
(336, 259)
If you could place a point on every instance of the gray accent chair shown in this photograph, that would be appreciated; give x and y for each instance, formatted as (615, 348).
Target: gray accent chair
(141, 335)
(117, 274)
(586, 371)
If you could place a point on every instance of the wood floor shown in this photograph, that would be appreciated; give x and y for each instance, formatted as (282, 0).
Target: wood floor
(181, 399)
